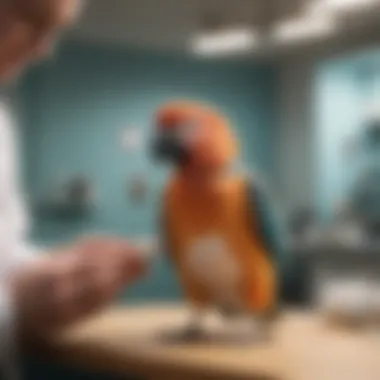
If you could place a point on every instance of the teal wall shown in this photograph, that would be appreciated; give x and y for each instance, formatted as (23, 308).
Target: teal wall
(76, 107)
(344, 88)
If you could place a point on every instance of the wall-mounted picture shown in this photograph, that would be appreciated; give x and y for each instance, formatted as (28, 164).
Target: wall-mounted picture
(71, 199)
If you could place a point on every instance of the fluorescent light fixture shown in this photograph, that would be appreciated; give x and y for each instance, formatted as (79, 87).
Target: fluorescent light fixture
(224, 42)
(348, 5)
(303, 29)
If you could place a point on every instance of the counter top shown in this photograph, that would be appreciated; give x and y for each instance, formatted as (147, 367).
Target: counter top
(125, 341)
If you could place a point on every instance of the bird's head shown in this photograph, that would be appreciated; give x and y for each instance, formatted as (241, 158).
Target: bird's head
(191, 135)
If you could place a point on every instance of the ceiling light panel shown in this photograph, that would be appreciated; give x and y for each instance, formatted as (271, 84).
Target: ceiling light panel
(348, 5)
(225, 41)
(303, 29)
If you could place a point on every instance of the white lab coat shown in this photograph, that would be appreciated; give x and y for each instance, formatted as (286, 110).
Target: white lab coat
(14, 249)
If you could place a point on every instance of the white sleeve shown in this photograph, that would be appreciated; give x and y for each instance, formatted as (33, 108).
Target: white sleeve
(22, 249)
(14, 249)
(14, 218)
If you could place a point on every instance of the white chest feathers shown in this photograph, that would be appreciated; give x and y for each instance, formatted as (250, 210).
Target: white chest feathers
(210, 261)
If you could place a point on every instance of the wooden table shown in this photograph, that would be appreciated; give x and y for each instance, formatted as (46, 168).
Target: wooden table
(126, 341)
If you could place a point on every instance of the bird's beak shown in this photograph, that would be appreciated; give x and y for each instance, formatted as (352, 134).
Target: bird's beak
(169, 148)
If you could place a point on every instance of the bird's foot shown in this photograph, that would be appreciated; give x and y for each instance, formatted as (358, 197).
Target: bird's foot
(192, 333)
(230, 312)
(189, 334)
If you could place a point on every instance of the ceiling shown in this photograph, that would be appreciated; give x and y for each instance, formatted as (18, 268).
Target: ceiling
(168, 24)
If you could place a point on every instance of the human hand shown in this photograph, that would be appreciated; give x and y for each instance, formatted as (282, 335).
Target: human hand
(59, 290)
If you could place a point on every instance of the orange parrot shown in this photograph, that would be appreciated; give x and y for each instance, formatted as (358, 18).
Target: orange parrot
(216, 225)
